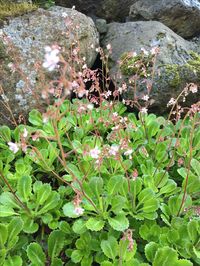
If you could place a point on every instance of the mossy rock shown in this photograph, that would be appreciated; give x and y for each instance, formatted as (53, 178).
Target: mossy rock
(131, 65)
(11, 9)
(177, 74)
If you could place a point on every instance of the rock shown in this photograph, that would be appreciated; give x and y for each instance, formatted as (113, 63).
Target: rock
(29, 35)
(111, 10)
(176, 64)
(182, 16)
(101, 25)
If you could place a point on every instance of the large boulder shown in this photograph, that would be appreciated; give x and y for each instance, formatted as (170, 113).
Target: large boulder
(176, 64)
(29, 35)
(111, 10)
(182, 16)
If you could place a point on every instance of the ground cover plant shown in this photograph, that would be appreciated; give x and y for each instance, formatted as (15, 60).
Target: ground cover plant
(86, 182)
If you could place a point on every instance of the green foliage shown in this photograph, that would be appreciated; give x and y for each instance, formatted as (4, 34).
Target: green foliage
(73, 195)
(11, 9)
(44, 3)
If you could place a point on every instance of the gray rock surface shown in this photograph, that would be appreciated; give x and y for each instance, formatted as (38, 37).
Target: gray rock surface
(29, 35)
(175, 66)
(182, 16)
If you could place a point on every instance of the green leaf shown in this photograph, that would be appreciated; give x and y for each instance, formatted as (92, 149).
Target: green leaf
(167, 256)
(124, 252)
(169, 187)
(196, 166)
(30, 226)
(35, 118)
(6, 211)
(51, 202)
(76, 256)
(7, 199)
(153, 128)
(96, 185)
(14, 228)
(110, 247)
(43, 192)
(5, 133)
(20, 168)
(114, 183)
(150, 251)
(36, 254)
(87, 261)
(79, 226)
(24, 188)
(95, 224)
(55, 243)
(13, 261)
(3, 235)
(106, 263)
(196, 252)
(119, 222)
(193, 228)
(69, 210)
(117, 203)
(56, 262)
(65, 227)
(77, 145)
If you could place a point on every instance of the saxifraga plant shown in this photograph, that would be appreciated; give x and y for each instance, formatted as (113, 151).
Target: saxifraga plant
(86, 183)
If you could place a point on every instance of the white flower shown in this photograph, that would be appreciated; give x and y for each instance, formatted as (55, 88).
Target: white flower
(94, 153)
(84, 66)
(90, 106)
(193, 88)
(115, 114)
(108, 46)
(128, 152)
(51, 58)
(25, 134)
(172, 101)
(144, 51)
(113, 150)
(78, 210)
(144, 110)
(123, 101)
(14, 147)
(108, 93)
(145, 98)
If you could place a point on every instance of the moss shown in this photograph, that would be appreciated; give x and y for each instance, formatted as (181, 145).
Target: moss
(161, 35)
(10, 9)
(194, 62)
(3, 53)
(173, 74)
(135, 64)
(176, 73)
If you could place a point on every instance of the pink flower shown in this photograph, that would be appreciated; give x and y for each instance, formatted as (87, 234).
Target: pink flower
(94, 153)
(78, 210)
(113, 150)
(14, 147)
(51, 57)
